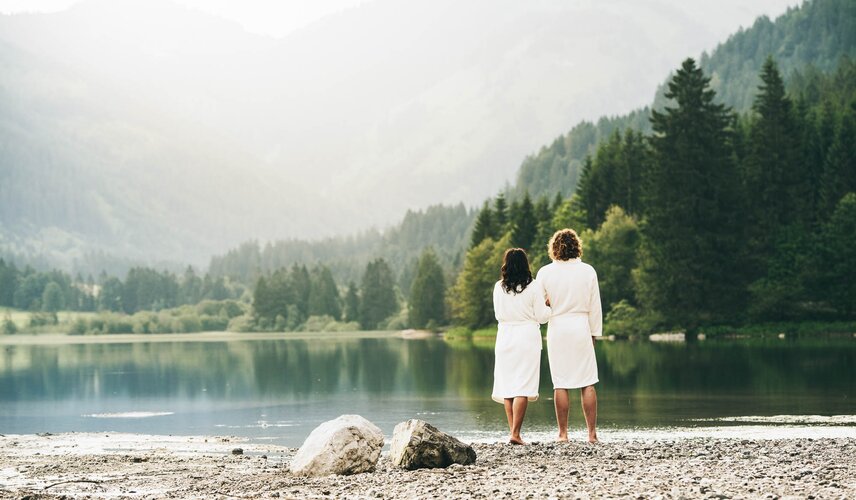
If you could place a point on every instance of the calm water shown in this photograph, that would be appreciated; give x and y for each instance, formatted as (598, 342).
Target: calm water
(281, 389)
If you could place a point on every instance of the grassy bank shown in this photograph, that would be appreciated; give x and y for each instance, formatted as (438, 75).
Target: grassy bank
(758, 330)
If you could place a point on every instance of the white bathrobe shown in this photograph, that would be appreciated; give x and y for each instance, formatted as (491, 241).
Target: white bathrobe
(518, 341)
(574, 295)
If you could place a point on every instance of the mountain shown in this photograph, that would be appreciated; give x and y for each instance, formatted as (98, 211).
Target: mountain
(87, 166)
(814, 36)
(144, 129)
(804, 41)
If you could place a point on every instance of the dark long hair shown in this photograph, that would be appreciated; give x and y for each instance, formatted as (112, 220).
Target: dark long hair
(515, 272)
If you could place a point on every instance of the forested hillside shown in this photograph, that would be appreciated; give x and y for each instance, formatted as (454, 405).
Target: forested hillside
(715, 218)
(814, 36)
(444, 228)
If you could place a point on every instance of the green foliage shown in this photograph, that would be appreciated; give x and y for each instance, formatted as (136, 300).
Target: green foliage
(52, 298)
(8, 283)
(612, 251)
(691, 208)
(324, 299)
(774, 173)
(377, 295)
(284, 299)
(483, 226)
(839, 172)
(352, 303)
(500, 216)
(8, 327)
(447, 229)
(524, 225)
(614, 177)
(471, 297)
(623, 319)
(805, 41)
(837, 256)
(428, 294)
(43, 319)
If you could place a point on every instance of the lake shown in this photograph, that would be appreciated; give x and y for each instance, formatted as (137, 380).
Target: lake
(277, 388)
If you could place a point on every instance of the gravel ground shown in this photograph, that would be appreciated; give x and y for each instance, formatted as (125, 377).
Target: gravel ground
(90, 466)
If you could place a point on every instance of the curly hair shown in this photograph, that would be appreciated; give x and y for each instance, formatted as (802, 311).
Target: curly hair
(515, 271)
(565, 245)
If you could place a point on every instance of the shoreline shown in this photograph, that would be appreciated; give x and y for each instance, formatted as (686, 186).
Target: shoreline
(217, 336)
(138, 466)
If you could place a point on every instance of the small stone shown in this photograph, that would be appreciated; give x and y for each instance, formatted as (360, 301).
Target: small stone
(237, 451)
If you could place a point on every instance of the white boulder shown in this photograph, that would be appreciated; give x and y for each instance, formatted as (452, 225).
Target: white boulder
(349, 444)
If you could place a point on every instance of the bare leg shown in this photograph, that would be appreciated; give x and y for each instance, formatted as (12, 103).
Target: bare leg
(519, 411)
(509, 413)
(588, 397)
(560, 398)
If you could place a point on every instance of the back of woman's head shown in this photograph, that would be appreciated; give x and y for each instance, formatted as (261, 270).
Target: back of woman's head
(515, 272)
(565, 245)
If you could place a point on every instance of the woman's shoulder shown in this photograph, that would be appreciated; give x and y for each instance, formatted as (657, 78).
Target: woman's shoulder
(546, 269)
(589, 269)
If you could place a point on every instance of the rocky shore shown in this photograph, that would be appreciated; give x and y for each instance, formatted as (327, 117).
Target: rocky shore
(101, 466)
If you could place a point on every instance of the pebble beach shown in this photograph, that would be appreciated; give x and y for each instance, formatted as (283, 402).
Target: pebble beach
(78, 465)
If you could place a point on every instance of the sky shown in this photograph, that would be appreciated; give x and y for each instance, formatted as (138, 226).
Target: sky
(278, 18)
(275, 18)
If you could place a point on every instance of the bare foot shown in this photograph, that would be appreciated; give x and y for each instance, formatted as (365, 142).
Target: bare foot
(593, 440)
(516, 440)
(562, 439)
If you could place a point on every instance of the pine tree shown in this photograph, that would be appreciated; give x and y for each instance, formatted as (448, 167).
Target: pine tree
(500, 216)
(483, 227)
(52, 298)
(524, 226)
(839, 171)
(838, 257)
(775, 179)
(8, 283)
(689, 242)
(377, 295)
(428, 293)
(634, 161)
(299, 288)
(324, 294)
(352, 303)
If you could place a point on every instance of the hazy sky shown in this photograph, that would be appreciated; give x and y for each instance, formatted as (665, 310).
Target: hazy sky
(269, 17)
(280, 17)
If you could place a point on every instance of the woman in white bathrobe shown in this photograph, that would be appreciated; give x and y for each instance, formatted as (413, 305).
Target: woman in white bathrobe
(519, 305)
(572, 290)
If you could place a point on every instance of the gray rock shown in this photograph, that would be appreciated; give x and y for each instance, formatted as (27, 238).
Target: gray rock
(349, 444)
(416, 444)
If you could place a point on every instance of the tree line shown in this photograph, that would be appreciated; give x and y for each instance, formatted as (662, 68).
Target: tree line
(807, 40)
(143, 289)
(715, 217)
(288, 298)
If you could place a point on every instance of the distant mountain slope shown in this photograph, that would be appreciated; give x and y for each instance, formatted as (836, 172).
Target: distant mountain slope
(817, 34)
(86, 167)
(162, 132)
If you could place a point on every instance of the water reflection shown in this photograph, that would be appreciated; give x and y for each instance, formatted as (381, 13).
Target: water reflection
(200, 386)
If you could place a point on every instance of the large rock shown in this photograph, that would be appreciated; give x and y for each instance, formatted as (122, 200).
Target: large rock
(349, 444)
(416, 444)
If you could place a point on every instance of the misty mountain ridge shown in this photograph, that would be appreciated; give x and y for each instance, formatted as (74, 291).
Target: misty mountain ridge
(163, 132)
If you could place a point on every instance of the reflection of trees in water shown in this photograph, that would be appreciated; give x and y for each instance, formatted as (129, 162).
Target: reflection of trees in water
(303, 368)
(727, 367)
(469, 366)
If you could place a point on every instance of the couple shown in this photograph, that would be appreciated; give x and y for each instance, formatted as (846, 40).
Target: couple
(565, 295)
